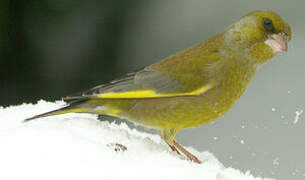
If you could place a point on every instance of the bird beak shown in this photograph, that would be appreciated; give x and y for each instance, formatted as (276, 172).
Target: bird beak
(277, 42)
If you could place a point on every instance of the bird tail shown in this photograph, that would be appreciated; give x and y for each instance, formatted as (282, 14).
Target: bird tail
(72, 108)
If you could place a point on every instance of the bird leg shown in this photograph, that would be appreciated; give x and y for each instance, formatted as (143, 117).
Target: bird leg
(173, 148)
(188, 154)
(168, 135)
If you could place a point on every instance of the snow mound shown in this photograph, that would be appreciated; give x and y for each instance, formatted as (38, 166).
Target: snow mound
(78, 146)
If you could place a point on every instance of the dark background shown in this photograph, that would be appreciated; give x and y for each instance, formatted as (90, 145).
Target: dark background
(52, 48)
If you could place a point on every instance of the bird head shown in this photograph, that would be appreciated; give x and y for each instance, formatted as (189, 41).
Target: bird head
(258, 36)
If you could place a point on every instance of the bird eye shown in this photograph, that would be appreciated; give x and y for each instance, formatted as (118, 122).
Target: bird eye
(268, 25)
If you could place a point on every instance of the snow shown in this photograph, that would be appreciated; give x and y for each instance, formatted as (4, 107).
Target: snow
(297, 116)
(276, 161)
(78, 146)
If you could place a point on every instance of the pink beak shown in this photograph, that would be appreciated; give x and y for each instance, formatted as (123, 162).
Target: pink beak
(277, 42)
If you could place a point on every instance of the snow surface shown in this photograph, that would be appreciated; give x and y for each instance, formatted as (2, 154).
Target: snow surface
(78, 146)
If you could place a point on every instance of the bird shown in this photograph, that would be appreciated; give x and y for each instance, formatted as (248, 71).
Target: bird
(192, 87)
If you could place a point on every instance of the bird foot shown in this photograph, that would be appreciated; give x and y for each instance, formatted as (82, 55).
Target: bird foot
(174, 148)
(189, 155)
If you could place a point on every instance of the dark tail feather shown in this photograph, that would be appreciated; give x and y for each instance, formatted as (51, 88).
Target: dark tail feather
(72, 108)
(50, 113)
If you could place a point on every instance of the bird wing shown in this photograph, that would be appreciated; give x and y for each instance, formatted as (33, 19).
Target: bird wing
(175, 76)
(141, 84)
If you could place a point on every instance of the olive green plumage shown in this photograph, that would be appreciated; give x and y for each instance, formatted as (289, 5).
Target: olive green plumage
(192, 87)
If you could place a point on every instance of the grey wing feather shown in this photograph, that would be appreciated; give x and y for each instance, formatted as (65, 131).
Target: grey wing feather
(143, 79)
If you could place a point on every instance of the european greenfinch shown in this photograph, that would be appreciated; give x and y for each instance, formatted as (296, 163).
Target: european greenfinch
(192, 87)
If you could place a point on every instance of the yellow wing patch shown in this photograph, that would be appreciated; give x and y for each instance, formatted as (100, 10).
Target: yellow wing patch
(141, 94)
